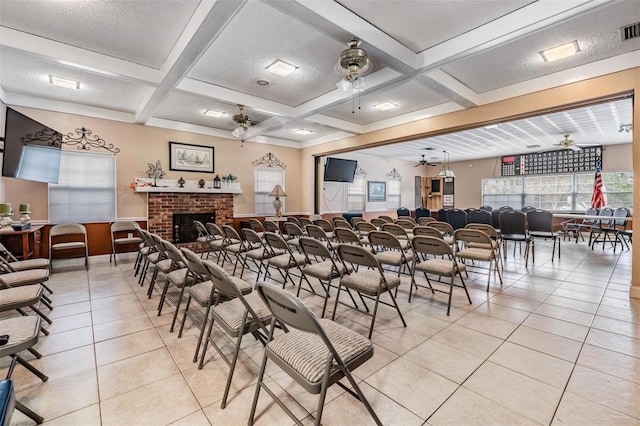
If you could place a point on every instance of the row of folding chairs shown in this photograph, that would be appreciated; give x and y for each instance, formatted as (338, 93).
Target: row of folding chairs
(231, 304)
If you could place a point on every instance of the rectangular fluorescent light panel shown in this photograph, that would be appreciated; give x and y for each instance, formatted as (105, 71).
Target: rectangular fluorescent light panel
(384, 106)
(281, 68)
(64, 82)
(303, 131)
(492, 126)
(560, 52)
(214, 113)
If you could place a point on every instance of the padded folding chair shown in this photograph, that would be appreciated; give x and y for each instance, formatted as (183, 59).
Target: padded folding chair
(271, 226)
(387, 219)
(609, 227)
(255, 251)
(491, 232)
(438, 259)
(203, 293)
(371, 283)
(326, 226)
(236, 315)
(573, 227)
(316, 353)
(400, 233)
(321, 265)
(540, 223)
(10, 279)
(282, 257)
(425, 220)
(256, 226)
(315, 232)
(67, 232)
(203, 238)
(28, 296)
(14, 264)
(293, 232)
(120, 240)
(513, 227)
(233, 246)
(356, 220)
(364, 228)
(389, 250)
(377, 222)
(23, 335)
(477, 246)
(176, 277)
(445, 229)
(347, 236)
(341, 223)
(216, 241)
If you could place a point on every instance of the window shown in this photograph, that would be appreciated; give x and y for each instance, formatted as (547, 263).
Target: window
(557, 192)
(356, 194)
(86, 189)
(266, 178)
(393, 194)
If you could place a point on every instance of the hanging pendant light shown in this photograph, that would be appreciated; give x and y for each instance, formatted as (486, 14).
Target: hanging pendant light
(243, 121)
(446, 172)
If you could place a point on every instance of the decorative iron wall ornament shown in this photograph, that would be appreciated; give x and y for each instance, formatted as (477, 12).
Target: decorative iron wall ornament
(360, 171)
(44, 136)
(269, 160)
(393, 174)
(85, 141)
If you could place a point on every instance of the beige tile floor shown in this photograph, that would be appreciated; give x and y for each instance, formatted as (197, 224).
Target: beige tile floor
(558, 343)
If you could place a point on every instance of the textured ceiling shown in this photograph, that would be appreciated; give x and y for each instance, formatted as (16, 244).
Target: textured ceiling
(163, 63)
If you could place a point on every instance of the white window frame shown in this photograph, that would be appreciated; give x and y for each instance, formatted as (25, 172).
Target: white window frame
(264, 180)
(394, 193)
(357, 194)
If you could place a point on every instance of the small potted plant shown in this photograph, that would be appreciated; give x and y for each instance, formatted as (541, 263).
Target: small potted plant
(229, 181)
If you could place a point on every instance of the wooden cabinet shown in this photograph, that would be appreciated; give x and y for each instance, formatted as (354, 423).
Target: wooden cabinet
(23, 244)
(437, 192)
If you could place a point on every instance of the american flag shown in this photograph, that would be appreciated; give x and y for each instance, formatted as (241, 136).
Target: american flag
(597, 199)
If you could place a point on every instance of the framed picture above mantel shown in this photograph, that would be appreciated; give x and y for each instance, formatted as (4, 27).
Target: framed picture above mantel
(191, 158)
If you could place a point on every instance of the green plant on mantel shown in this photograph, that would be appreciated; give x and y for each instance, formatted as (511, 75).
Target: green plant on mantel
(229, 178)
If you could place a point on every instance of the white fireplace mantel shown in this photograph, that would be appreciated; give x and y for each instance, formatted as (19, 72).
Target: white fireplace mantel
(190, 186)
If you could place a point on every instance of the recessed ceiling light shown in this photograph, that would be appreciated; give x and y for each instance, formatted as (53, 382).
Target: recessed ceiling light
(560, 52)
(281, 68)
(384, 106)
(64, 82)
(263, 82)
(303, 131)
(492, 126)
(533, 146)
(214, 113)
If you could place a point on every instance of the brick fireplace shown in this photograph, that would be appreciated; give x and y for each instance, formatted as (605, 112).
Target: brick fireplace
(162, 206)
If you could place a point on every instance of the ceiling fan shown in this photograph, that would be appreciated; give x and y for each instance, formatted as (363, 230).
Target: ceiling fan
(567, 143)
(424, 162)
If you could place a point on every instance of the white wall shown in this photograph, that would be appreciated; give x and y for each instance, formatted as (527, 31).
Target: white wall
(334, 194)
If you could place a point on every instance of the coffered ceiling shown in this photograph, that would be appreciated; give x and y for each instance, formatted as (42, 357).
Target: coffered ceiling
(164, 62)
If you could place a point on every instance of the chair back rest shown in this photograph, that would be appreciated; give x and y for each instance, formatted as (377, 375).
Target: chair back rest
(173, 253)
(202, 230)
(435, 246)
(313, 247)
(337, 218)
(356, 220)
(271, 226)
(214, 230)
(606, 212)
(314, 231)
(222, 280)
(486, 208)
(125, 225)
(377, 222)
(193, 262)
(527, 209)
(357, 255)
(427, 231)
(478, 216)
(442, 215)
(487, 229)
(384, 239)
(387, 219)
(457, 218)
(304, 221)
(406, 224)
(230, 233)
(443, 227)
(293, 219)
(275, 241)
(68, 229)
(325, 225)
(256, 225)
(422, 212)
(513, 222)
(292, 229)
(403, 211)
(591, 211)
(621, 212)
(471, 236)
(346, 236)
(341, 224)
(156, 240)
(540, 220)
(6, 254)
(288, 309)
(425, 220)
(366, 227)
(394, 229)
(251, 236)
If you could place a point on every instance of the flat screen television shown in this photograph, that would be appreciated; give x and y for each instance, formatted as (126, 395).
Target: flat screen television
(31, 149)
(339, 170)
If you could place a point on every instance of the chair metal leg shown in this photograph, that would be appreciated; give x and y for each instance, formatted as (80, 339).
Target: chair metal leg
(29, 413)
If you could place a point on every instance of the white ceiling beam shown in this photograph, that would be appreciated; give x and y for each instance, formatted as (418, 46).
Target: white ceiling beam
(336, 123)
(456, 88)
(75, 57)
(188, 127)
(324, 139)
(210, 26)
(413, 116)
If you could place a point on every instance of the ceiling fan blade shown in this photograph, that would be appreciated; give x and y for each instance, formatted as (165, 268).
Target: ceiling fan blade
(573, 147)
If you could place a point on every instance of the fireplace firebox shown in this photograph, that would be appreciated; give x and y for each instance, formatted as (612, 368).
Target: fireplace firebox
(183, 229)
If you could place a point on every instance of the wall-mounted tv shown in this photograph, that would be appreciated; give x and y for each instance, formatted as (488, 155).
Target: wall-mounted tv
(31, 149)
(339, 170)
